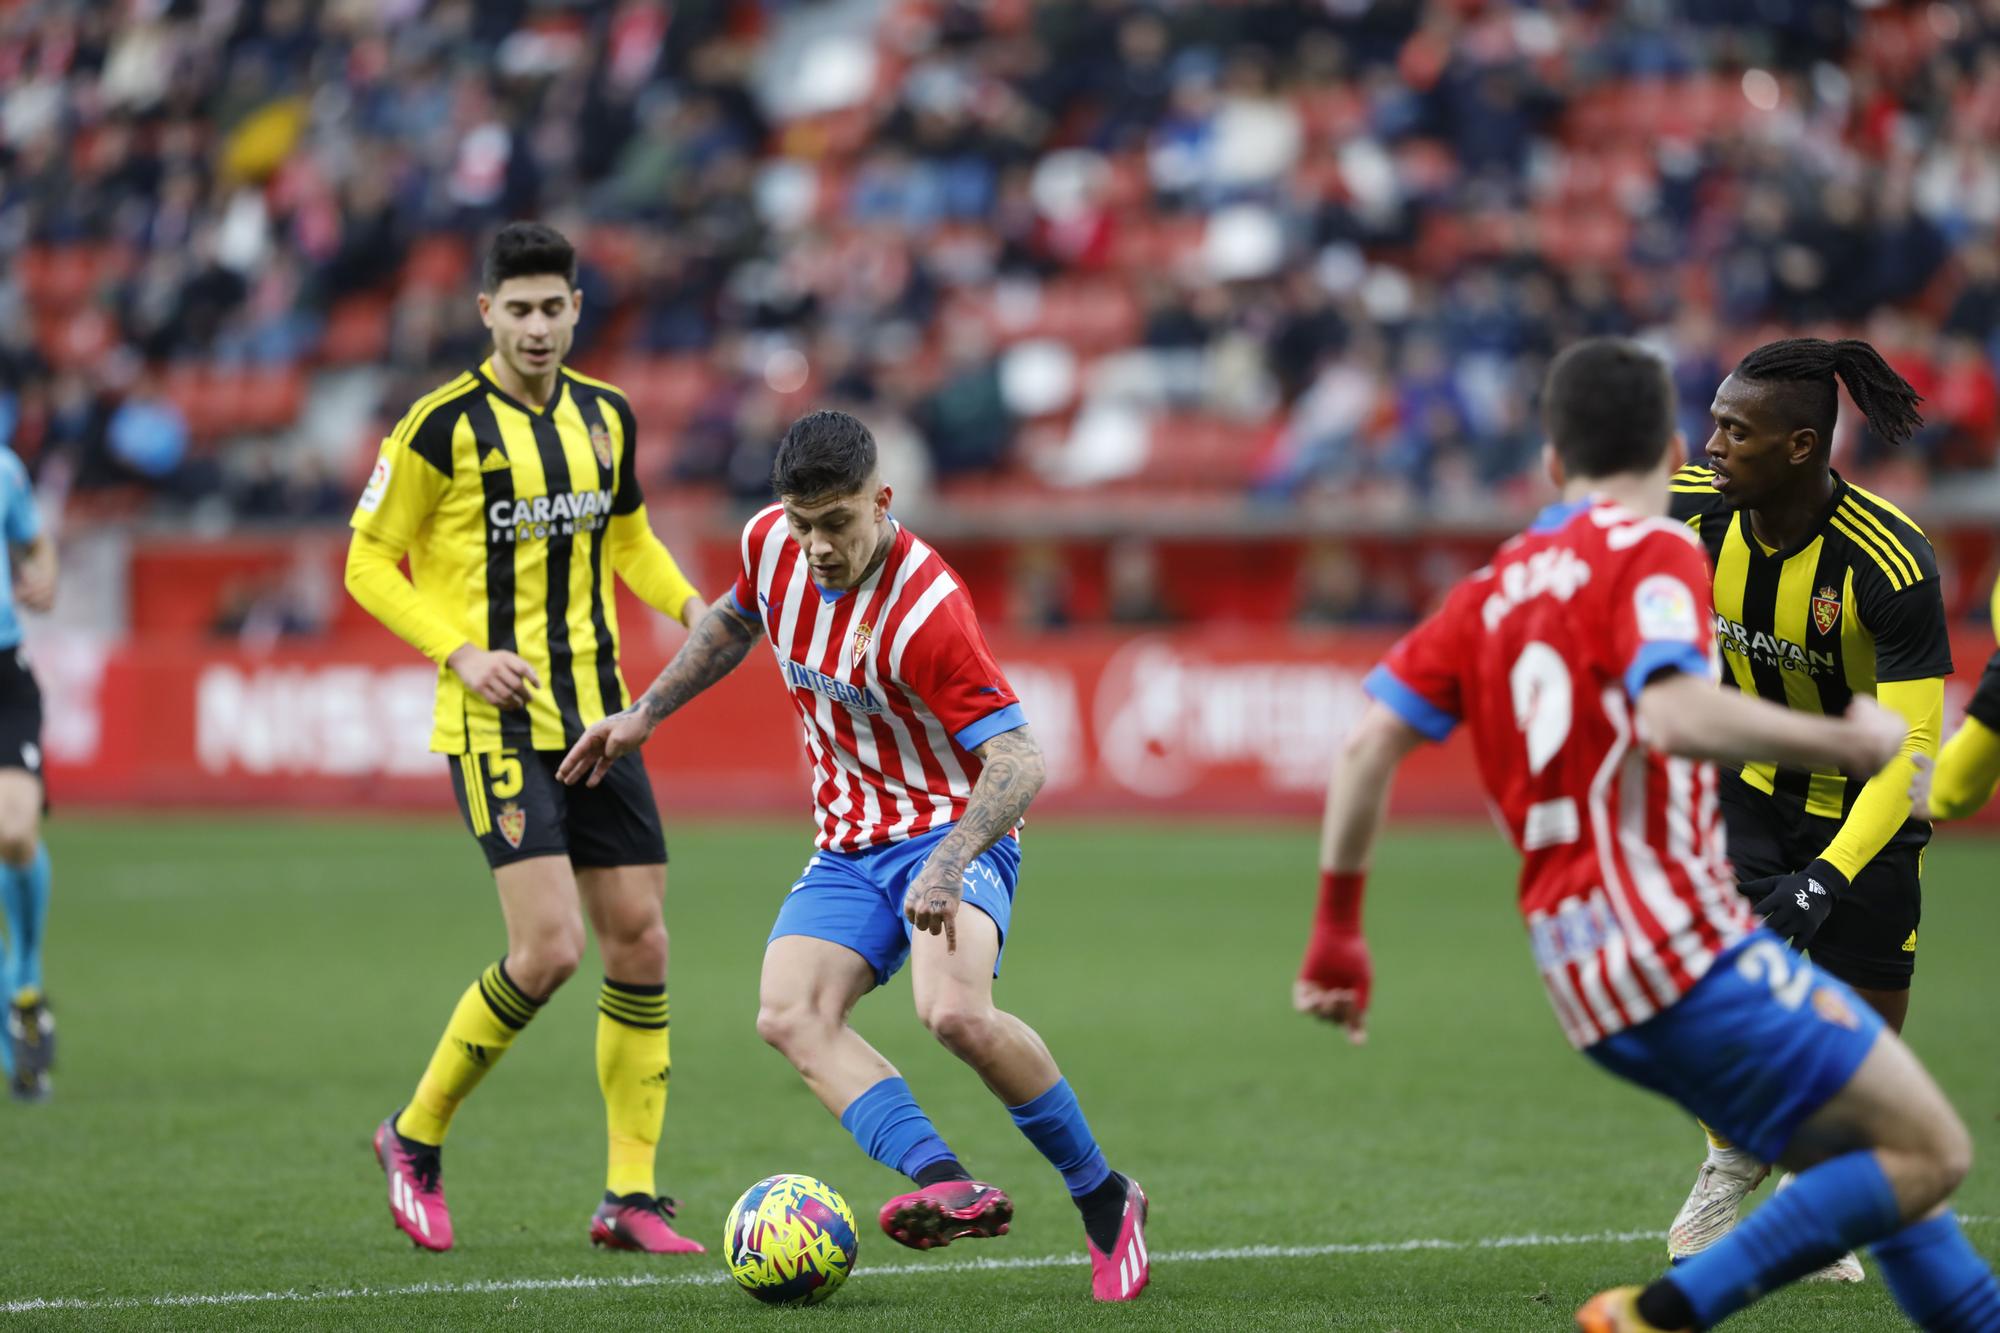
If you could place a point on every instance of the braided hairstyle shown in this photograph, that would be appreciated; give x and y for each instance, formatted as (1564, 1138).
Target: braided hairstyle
(1808, 366)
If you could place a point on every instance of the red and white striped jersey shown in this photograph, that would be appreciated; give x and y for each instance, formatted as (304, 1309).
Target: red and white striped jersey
(1624, 883)
(893, 681)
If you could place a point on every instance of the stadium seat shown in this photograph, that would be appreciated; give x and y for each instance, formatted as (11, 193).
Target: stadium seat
(439, 263)
(357, 330)
(64, 277)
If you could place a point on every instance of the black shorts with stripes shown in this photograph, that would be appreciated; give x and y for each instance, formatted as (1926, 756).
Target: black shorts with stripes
(516, 808)
(1869, 940)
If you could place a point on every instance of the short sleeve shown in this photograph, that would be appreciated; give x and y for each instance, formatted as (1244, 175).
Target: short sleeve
(1661, 617)
(743, 593)
(22, 522)
(1419, 680)
(412, 473)
(1985, 702)
(626, 497)
(1912, 637)
(948, 665)
(1691, 495)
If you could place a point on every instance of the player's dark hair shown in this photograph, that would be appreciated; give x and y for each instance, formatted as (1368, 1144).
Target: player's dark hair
(1608, 408)
(824, 454)
(527, 250)
(1807, 366)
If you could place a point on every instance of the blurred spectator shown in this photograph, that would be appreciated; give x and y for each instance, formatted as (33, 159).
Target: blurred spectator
(1132, 584)
(1337, 588)
(1369, 222)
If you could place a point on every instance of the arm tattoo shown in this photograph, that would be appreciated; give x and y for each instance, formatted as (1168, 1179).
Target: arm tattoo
(719, 641)
(1014, 771)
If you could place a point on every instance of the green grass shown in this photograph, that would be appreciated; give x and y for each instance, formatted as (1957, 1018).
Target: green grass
(241, 1001)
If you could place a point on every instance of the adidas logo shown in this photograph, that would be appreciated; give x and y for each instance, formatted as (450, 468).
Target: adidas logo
(495, 460)
(405, 1201)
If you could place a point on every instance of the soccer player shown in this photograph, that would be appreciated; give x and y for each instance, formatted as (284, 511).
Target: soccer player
(28, 1054)
(1583, 661)
(1968, 767)
(922, 770)
(1822, 591)
(512, 490)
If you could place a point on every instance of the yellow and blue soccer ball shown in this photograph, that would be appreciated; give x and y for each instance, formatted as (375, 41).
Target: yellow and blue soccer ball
(791, 1240)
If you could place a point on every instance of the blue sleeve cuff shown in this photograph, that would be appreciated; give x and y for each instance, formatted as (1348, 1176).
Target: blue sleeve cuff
(1010, 718)
(1663, 655)
(739, 608)
(1433, 722)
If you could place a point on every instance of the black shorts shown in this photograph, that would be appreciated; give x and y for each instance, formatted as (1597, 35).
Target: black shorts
(1870, 938)
(20, 714)
(516, 808)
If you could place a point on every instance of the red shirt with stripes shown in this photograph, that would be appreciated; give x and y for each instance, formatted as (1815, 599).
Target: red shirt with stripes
(892, 680)
(1625, 884)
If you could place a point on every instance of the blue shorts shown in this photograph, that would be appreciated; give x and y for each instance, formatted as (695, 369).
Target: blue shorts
(1760, 1044)
(856, 898)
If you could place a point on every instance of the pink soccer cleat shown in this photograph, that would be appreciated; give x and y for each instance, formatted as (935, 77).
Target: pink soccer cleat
(1123, 1274)
(639, 1222)
(950, 1210)
(416, 1187)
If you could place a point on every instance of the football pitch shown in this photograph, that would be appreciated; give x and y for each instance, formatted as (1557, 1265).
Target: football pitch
(242, 1000)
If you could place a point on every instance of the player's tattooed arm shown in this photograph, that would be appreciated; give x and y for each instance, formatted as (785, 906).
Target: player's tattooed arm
(1013, 772)
(715, 647)
(717, 643)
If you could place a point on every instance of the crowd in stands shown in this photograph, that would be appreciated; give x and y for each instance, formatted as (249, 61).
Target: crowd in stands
(1285, 251)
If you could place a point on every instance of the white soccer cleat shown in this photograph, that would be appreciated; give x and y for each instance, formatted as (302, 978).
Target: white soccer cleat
(1847, 1268)
(1709, 1214)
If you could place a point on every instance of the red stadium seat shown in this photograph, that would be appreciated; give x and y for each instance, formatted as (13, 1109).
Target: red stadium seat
(1156, 244)
(664, 390)
(1093, 315)
(1204, 452)
(439, 264)
(72, 338)
(357, 330)
(64, 277)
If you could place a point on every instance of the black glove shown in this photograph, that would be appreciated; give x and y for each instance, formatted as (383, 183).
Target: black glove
(1796, 905)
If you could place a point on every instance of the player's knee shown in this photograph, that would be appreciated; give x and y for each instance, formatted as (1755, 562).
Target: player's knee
(20, 828)
(544, 963)
(639, 955)
(965, 1029)
(17, 841)
(787, 1027)
(1950, 1153)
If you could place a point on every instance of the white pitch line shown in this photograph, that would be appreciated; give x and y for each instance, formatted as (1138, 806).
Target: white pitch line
(502, 1286)
(711, 1278)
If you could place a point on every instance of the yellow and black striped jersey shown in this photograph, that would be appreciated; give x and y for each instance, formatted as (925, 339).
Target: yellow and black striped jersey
(504, 510)
(1855, 604)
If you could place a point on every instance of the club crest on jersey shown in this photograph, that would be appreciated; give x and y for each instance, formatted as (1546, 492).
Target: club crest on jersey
(1826, 610)
(863, 636)
(512, 821)
(1829, 1006)
(600, 444)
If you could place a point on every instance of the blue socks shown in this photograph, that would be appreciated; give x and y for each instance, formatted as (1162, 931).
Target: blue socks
(1829, 1210)
(1939, 1279)
(1054, 1123)
(24, 892)
(890, 1127)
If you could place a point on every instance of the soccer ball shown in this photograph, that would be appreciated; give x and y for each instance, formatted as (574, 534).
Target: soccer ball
(791, 1240)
